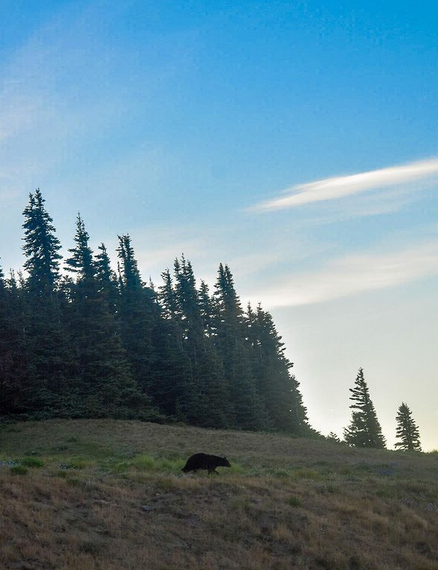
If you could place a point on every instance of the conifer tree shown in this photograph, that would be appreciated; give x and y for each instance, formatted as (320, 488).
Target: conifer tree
(407, 430)
(41, 247)
(206, 306)
(191, 402)
(106, 387)
(364, 429)
(107, 279)
(46, 340)
(188, 309)
(137, 315)
(212, 402)
(167, 297)
(214, 380)
(172, 369)
(13, 363)
(278, 388)
(231, 341)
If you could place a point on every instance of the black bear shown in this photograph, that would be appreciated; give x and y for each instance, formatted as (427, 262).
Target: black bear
(205, 461)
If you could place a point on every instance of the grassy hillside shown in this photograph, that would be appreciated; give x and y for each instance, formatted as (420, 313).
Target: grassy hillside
(88, 495)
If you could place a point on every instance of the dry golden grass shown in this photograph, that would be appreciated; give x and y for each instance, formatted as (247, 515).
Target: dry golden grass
(287, 503)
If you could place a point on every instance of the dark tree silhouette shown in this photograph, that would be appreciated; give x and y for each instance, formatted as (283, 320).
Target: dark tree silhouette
(105, 384)
(407, 430)
(364, 429)
(94, 343)
(46, 338)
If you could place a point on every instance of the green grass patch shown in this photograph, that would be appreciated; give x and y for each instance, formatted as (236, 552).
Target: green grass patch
(170, 465)
(19, 470)
(12, 429)
(365, 467)
(293, 502)
(145, 462)
(32, 462)
(92, 548)
(235, 469)
(305, 473)
(328, 489)
(281, 474)
(240, 503)
(73, 481)
(165, 484)
(386, 493)
(59, 449)
(277, 473)
(77, 463)
(116, 466)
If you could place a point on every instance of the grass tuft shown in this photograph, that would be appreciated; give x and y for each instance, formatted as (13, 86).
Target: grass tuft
(32, 462)
(19, 470)
(293, 502)
(305, 473)
(79, 464)
(143, 462)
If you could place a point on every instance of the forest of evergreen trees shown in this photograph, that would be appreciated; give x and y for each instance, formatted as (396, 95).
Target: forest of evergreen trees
(88, 342)
(80, 340)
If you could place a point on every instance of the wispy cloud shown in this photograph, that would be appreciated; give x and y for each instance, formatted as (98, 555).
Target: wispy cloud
(342, 186)
(353, 274)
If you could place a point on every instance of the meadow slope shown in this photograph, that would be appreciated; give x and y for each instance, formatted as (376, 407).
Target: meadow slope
(109, 495)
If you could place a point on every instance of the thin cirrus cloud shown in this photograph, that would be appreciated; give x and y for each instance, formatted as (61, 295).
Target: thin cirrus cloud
(343, 186)
(352, 275)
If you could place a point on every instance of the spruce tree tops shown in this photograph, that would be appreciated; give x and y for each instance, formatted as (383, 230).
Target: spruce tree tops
(105, 385)
(41, 246)
(407, 430)
(364, 429)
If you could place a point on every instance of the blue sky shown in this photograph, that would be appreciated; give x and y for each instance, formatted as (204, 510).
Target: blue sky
(294, 140)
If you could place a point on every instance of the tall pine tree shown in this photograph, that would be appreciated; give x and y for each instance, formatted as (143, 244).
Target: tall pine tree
(137, 315)
(41, 247)
(47, 342)
(364, 429)
(408, 433)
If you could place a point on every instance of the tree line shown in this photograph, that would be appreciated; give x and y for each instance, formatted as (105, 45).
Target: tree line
(92, 342)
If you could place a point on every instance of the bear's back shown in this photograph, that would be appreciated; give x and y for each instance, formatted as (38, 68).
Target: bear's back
(201, 461)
